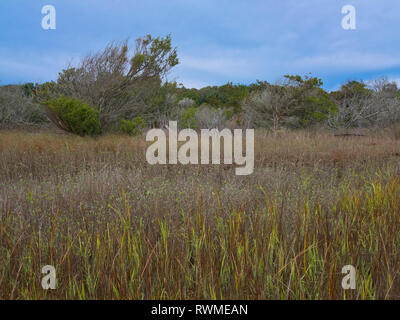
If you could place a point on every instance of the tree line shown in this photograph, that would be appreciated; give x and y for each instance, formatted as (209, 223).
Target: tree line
(124, 89)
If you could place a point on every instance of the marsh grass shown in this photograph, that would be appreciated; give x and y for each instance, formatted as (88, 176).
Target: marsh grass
(115, 227)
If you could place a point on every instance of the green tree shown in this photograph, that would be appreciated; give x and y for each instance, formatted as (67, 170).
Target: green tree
(189, 118)
(294, 101)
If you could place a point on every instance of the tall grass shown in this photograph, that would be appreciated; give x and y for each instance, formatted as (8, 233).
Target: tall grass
(117, 228)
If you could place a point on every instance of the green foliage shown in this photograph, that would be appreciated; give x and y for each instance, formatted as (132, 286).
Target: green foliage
(233, 95)
(311, 104)
(225, 96)
(43, 92)
(133, 127)
(28, 88)
(317, 108)
(159, 98)
(307, 83)
(189, 118)
(350, 90)
(294, 102)
(73, 115)
(122, 85)
(120, 82)
(228, 114)
(191, 94)
(154, 57)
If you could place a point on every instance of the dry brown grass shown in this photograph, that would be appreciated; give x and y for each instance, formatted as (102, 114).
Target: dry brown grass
(115, 227)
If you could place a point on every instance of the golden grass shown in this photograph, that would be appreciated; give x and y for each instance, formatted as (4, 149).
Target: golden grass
(117, 228)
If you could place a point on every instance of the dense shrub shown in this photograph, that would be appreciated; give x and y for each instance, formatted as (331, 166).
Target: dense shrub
(188, 119)
(133, 127)
(73, 115)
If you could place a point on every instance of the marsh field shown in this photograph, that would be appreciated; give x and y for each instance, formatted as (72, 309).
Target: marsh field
(115, 227)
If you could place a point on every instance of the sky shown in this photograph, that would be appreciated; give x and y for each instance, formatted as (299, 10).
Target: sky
(218, 41)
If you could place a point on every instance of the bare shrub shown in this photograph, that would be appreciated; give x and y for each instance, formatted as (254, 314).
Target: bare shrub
(269, 107)
(373, 104)
(292, 102)
(186, 103)
(208, 118)
(18, 109)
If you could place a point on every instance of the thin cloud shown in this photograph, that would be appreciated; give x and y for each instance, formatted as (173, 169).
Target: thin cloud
(346, 60)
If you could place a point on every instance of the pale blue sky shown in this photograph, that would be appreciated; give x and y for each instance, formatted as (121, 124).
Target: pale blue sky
(218, 40)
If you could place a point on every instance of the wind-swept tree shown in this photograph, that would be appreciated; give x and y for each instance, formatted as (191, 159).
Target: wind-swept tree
(116, 82)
